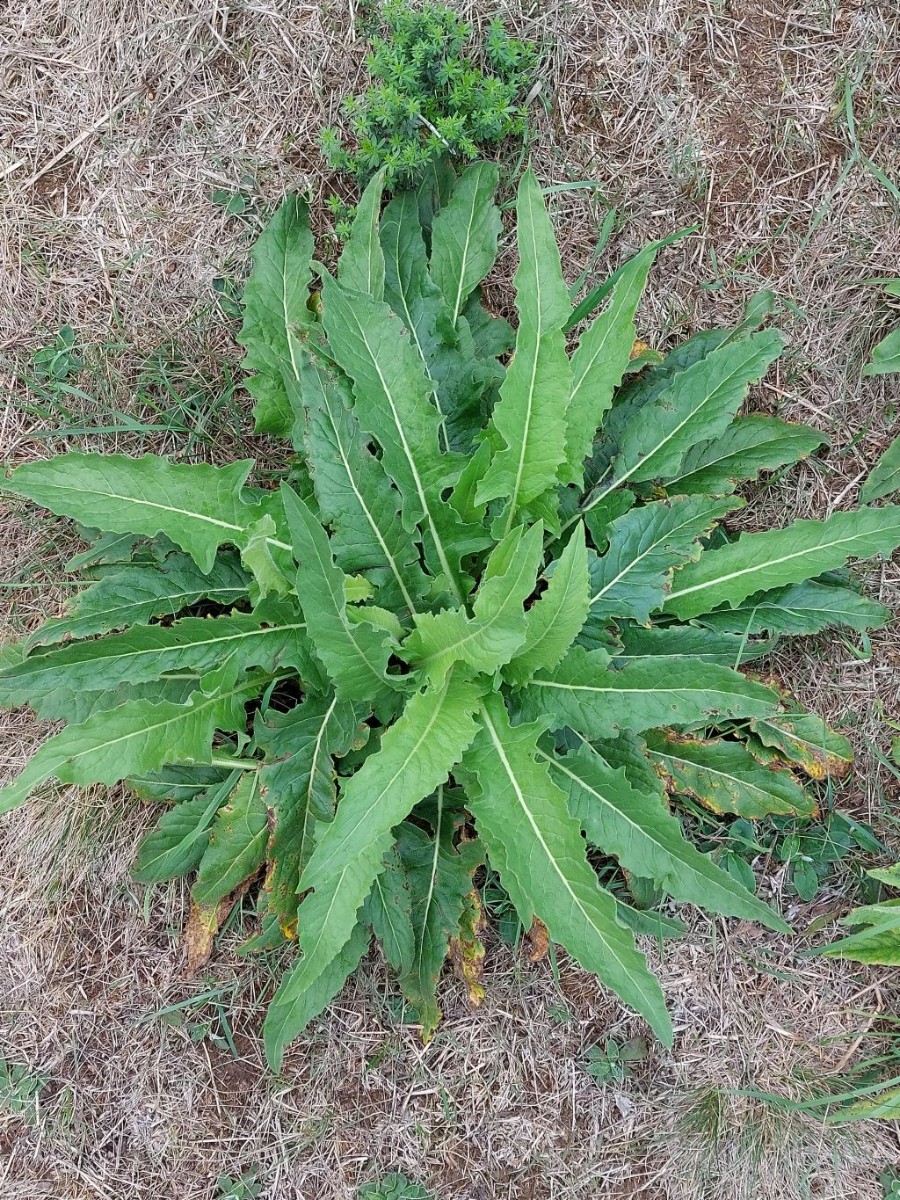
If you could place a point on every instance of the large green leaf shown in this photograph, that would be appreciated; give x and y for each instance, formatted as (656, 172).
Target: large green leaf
(415, 757)
(884, 1105)
(136, 737)
(877, 939)
(464, 236)
(388, 909)
(748, 446)
(459, 367)
(647, 839)
(631, 579)
(556, 618)
(584, 693)
(197, 506)
(393, 404)
(75, 706)
(641, 392)
(542, 859)
(629, 751)
(496, 630)
(237, 843)
(355, 654)
(885, 358)
(530, 417)
(415, 913)
(354, 494)
(309, 1002)
(696, 403)
(299, 779)
(884, 478)
(691, 642)
(361, 265)
(137, 594)
(181, 836)
(275, 311)
(728, 574)
(176, 784)
(725, 777)
(600, 361)
(802, 608)
(194, 644)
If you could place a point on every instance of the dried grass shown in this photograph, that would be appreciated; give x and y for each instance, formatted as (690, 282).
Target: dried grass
(683, 111)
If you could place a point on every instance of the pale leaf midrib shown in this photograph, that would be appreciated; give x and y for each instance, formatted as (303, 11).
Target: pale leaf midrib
(181, 512)
(769, 563)
(408, 455)
(391, 560)
(47, 660)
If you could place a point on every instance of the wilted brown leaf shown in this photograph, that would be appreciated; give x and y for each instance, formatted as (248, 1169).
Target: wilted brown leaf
(467, 950)
(538, 939)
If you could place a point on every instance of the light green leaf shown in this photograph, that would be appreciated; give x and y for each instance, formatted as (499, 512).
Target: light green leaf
(889, 875)
(542, 859)
(806, 740)
(698, 402)
(496, 630)
(726, 778)
(275, 312)
(884, 478)
(728, 574)
(388, 910)
(556, 618)
(415, 757)
(439, 876)
(647, 839)
(464, 236)
(361, 265)
(299, 782)
(179, 840)
(283, 1023)
(416, 905)
(269, 577)
(691, 642)
(629, 752)
(530, 416)
(883, 1106)
(748, 446)
(456, 366)
(877, 940)
(885, 358)
(802, 608)
(393, 404)
(197, 506)
(177, 784)
(355, 654)
(137, 594)
(632, 578)
(194, 644)
(584, 693)
(600, 361)
(136, 737)
(354, 494)
(237, 843)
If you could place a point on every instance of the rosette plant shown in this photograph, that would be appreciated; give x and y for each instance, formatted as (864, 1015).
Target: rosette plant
(491, 617)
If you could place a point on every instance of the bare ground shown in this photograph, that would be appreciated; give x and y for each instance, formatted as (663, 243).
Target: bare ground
(117, 123)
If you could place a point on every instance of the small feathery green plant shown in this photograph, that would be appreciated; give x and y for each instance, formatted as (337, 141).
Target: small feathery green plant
(439, 91)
